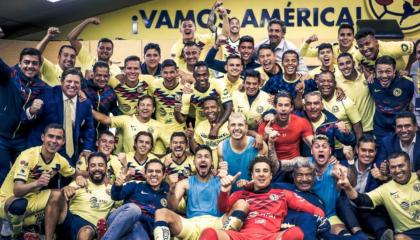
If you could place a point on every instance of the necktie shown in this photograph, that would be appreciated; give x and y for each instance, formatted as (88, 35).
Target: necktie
(68, 127)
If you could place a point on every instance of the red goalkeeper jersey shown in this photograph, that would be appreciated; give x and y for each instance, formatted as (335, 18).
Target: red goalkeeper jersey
(267, 208)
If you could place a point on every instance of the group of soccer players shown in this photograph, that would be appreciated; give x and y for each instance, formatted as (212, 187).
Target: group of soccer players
(228, 139)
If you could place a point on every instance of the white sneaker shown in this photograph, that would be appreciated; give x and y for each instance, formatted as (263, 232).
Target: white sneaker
(6, 229)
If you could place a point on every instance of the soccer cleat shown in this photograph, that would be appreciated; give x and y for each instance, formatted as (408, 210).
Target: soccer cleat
(6, 229)
(101, 228)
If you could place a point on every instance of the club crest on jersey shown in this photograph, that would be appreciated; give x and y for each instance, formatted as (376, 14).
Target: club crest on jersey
(162, 111)
(186, 172)
(260, 109)
(334, 109)
(125, 107)
(150, 130)
(416, 187)
(274, 197)
(405, 205)
(140, 89)
(178, 97)
(397, 92)
(163, 202)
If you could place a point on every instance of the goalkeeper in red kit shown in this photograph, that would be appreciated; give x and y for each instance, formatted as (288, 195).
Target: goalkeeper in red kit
(267, 208)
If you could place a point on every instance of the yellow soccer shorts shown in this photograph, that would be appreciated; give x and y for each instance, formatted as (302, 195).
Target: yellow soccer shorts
(192, 227)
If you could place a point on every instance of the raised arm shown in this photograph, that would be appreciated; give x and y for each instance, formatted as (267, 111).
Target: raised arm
(102, 118)
(74, 34)
(176, 191)
(52, 32)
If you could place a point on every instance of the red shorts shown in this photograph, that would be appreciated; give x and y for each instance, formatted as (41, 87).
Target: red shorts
(234, 235)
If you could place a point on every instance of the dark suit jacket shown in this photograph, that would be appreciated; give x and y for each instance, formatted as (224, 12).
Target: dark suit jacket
(52, 111)
(391, 144)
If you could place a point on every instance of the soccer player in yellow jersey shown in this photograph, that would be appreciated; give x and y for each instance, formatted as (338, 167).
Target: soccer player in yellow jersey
(203, 88)
(105, 144)
(179, 161)
(326, 57)
(50, 72)
(234, 68)
(400, 197)
(253, 102)
(371, 49)
(137, 159)
(345, 44)
(131, 125)
(104, 49)
(167, 92)
(345, 110)
(355, 86)
(25, 190)
(132, 87)
(77, 209)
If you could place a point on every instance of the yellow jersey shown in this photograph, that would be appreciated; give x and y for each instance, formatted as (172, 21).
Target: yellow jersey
(136, 167)
(317, 70)
(184, 169)
(397, 50)
(51, 73)
(402, 202)
(128, 97)
(85, 61)
(91, 203)
(114, 166)
(204, 41)
(130, 126)
(358, 91)
(217, 88)
(232, 86)
(29, 167)
(254, 111)
(165, 107)
(307, 51)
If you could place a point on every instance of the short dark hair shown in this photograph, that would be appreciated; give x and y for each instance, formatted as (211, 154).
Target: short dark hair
(366, 138)
(187, 19)
(190, 44)
(252, 73)
(386, 60)
(143, 133)
(30, 52)
(324, 72)
(66, 46)
(200, 64)
(279, 22)
(323, 46)
(131, 58)
(261, 159)
(345, 54)
(346, 26)
(106, 133)
(246, 38)
(100, 64)
(233, 56)
(210, 98)
(96, 154)
(364, 32)
(151, 46)
(406, 114)
(233, 18)
(71, 71)
(265, 46)
(178, 134)
(283, 94)
(155, 160)
(105, 40)
(169, 63)
(147, 97)
(54, 126)
(400, 154)
(204, 147)
(290, 51)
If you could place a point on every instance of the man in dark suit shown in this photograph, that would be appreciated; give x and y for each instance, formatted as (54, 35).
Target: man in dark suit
(406, 138)
(61, 104)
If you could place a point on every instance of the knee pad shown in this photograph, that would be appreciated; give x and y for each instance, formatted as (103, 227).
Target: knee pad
(208, 234)
(18, 206)
(293, 233)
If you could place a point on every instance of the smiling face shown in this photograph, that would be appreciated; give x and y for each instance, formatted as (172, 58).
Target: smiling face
(201, 76)
(53, 140)
(154, 174)
(169, 75)
(261, 174)
(29, 65)
(400, 170)
(326, 57)
(251, 85)
(267, 59)
(346, 66)
(203, 162)
(97, 169)
(104, 51)
(234, 67)
(234, 26)
(290, 63)
(211, 110)
(178, 146)
(238, 128)
(146, 108)
(143, 145)
(245, 50)
(385, 73)
(152, 58)
(405, 129)
(71, 85)
(303, 178)
(132, 71)
(345, 38)
(321, 152)
(366, 151)
(105, 144)
(313, 107)
(187, 30)
(191, 55)
(368, 47)
(275, 34)
(101, 77)
(67, 58)
(326, 84)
